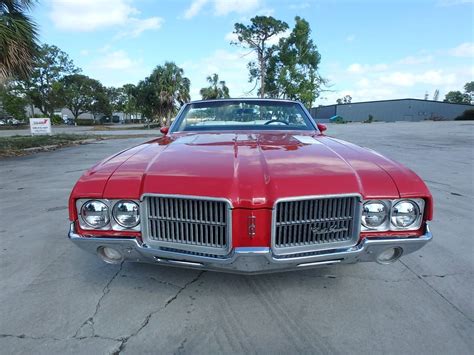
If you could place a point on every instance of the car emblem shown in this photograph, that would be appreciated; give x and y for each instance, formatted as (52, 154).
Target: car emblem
(251, 226)
(333, 228)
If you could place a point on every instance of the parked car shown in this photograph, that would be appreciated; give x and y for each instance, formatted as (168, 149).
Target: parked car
(10, 121)
(268, 193)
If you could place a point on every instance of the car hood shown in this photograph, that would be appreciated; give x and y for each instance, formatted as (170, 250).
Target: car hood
(251, 169)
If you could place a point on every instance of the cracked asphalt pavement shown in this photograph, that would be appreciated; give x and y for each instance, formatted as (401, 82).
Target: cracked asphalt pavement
(56, 298)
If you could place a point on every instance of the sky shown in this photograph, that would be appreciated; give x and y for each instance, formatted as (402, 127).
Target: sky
(370, 49)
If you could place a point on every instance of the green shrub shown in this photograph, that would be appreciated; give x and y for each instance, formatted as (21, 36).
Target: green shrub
(467, 115)
(57, 119)
(85, 122)
(370, 119)
(337, 119)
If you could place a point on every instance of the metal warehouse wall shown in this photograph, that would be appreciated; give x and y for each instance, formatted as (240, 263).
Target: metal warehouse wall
(401, 110)
(323, 112)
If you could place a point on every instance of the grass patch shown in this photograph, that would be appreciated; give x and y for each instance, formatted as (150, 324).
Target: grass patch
(13, 127)
(126, 128)
(15, 145)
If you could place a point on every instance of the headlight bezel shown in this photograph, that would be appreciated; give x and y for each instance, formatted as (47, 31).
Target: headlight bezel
(88, 225)
(385, 224)
(114, 213)
(112, 224)
(420, 206)
(388, 225)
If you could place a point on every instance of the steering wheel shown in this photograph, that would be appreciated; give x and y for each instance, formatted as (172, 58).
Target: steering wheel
(273, 121)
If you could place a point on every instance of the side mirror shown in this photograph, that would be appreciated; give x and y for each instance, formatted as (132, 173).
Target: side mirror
(164, 130)
(321, 127)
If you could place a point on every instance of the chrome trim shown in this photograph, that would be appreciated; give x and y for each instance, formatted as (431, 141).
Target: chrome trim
(382, 227)
(182, 109)
(418, 222)
(114, 212)
(388, 225)
(316, 247)
(319, 263)
(187, 247)
(250, 260)
(173, 121)
(112, 225)
(178, 262)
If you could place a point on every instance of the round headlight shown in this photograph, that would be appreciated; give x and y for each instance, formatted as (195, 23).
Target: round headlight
(126, 214)
(95, 214)
(374, 214)
(405, 213)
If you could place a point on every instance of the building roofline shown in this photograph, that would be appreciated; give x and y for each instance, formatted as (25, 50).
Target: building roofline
(391, 100)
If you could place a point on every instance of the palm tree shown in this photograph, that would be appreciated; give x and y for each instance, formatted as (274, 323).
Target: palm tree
(160, 95)
(172, 89)
(18, 39)
(216, 90)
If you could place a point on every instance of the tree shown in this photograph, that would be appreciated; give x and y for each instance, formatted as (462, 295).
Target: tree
(146, 99)
(345, 100)
(79, 93)
(18, 39)
(117, 98)
(130, 105)
(216, 90)
(173, 89)
(292, 71)
(457, 97)
(11, 103)
(101, 105)
(255, 37)
(161, 94)
(49, 68)
(469, 90)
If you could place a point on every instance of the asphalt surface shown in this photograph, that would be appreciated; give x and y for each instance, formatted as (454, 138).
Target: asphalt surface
(114, 130)
(56, 298)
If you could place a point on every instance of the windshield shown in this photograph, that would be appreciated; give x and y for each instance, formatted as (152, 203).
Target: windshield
(243, 115)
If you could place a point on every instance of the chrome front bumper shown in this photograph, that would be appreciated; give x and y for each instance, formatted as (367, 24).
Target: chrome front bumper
(251, 260)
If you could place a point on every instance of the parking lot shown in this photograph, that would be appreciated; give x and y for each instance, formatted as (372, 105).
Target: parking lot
(56, 298)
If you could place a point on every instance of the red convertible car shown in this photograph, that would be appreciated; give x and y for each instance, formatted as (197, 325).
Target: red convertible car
(249, 186)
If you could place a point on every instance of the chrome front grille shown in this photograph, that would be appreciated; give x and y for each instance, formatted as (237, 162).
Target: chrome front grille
(317, 223)
(187, 223)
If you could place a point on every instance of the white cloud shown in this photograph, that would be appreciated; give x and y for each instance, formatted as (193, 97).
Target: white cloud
(118, 60)
(374, 92)
(137, 26)
(431, 77)
(408, 77)
(453, 2)
(465, 49)
(275, 39)
(350, 38)
(194, 9)
(231, 37)
(414, 60)
(364, 83)
(357, 68)
(91, 15)
(264, 11)
(116, 67)
(231, 66)
(300, 6)
(399, 79)
(222, 7)
(436, 77)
